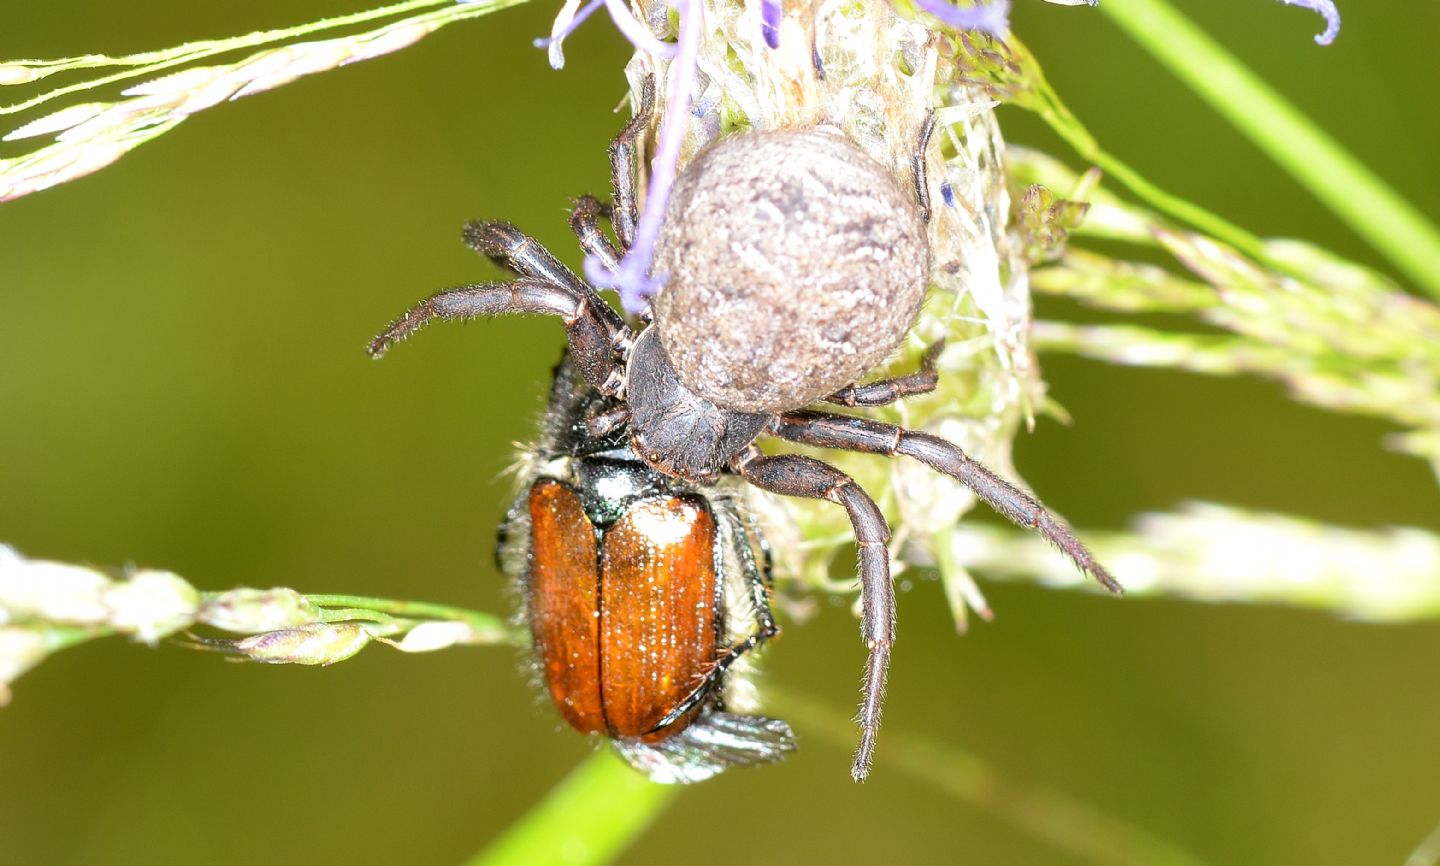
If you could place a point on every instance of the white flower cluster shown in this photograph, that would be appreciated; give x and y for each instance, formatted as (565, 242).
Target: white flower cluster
(148, 604)
(1216, 553)
(47, 606)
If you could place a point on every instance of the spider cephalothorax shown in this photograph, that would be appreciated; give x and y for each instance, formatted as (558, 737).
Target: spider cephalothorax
(686, 436)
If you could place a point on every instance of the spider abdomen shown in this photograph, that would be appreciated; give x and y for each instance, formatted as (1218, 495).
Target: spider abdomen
(794, 263)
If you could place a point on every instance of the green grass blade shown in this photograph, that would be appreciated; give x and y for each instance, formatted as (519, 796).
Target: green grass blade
(1079, 829)
(591, 817)
(1346, 185)
(151, 62)
(90, 136)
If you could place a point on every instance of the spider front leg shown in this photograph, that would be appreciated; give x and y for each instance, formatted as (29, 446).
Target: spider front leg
(591, 334)
(509, 247)
(867, 436)
(585, 223)
(624, 163)
(796, 475)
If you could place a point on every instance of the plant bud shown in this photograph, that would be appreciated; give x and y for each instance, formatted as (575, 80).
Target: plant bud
(251, 611)
(316, 643)
(431, 636)
(152, 604)
(50, 591)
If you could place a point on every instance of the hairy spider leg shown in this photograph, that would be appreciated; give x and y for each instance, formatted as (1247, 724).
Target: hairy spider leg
(624, 165)
(867, 436)
(883, 392)
(587, 328)
(511, 248)
(585, 223)
(918, 166)
(797, 475)
(603, 423)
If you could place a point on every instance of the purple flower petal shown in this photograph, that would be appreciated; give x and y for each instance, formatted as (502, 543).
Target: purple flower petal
(637, 34)
(632, 279)
(556, 39)
(1327, 10)
(992, 17)
(771, 11)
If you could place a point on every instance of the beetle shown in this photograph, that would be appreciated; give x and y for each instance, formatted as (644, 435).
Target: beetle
(680, 434)
(637, 587)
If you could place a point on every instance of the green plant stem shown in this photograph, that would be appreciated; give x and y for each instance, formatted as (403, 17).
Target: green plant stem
(59, 637)
(414, 609)
(357, 614)
(589, 818)
(1047, 104)
(1356, 194)
(1070, 825)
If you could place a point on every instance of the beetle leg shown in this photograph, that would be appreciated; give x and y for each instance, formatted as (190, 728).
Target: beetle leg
(728, 657)
(624, 165)
(587, 328)
(868, 436)
(757, 576)
(797, 475)
(887, 391)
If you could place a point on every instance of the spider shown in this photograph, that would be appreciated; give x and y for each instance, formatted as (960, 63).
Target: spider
(686, 437)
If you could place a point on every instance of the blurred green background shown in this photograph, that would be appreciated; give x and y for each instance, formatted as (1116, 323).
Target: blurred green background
(182, 386)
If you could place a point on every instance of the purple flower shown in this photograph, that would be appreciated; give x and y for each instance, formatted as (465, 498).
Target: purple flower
(632, 279)
(771, 11)
(1327, 10)
(992, 17)
(569, 19)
